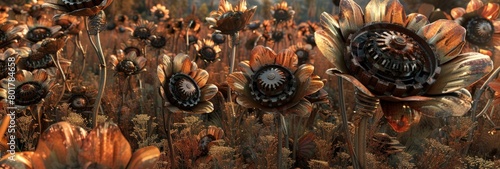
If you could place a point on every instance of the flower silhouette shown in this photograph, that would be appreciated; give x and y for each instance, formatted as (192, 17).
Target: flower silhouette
(412, 66)
(282, 12)
(30, 87)
(160, 12)
(229, 19)
(207, 50)
(274, 83)
(184, 85)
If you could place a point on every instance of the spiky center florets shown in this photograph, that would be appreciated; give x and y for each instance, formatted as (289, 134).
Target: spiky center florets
(142, 32)
(281, 15)
(391, 60)
(158, 41)
(38, 33)
(208, 54)
(273, 85)
(30, 93)
(479, 30)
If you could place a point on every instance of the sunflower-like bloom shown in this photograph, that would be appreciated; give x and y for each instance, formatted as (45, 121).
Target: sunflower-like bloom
(184, 85)
(282, 12)
(483, 28)
(274, 82)
(69, 24)
(207, 136)
(79, 99)
(78, 7)
(406, 64)
(229, 19)
(144, 30)
(128, 64)
(30, 87)
(207, 50)
(64, 145)
(41, 56)
(10, 32)
(37, 32)
(160, 12)
(193, 23)
(303, 52)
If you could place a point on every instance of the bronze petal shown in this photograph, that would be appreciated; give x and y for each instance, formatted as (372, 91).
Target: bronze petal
(203, 107)
(446, 36)
(491, 11)
(384, 11)
(454, 104)
(332, 49)
(461, 72)
(208, 91)
(200, 77)
(238, 82)
(394, 13)
(457, 12)
(144, 158)
(496, 24)
(287, 59)
(245, 67)
(186, 66)
(178, 62)
(304, 72)
(352, 80)
(415, 21)
(302, 109)
(261, 56)
(247, 102)
(160, 72)
(106, 146)
(314, 86)
(350, 17)
(474, 5)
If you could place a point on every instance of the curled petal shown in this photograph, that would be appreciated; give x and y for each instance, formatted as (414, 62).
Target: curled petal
(203, 107)
(446, 36)
(352, 80)
(454, 104)
(261, 56)
(314, 86)
(332, 49)
(350, 17)
(144, 158)
(23, 76)
(415, 21)
(245, 67)
(160, 72)
(457, 12)
(208, 91)
(304, 72)
(474, 5)
(461, 72)
(114, 60)
(177, 64)
(302, 109)
(330, 25)
(238, 82)
(247, 102)
(200, 77)
(491, 11)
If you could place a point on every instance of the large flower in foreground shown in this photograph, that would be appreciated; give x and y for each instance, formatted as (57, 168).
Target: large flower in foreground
(274, 83)
(30, 87)
(78, 7)
(64, 145)
(483, 28)
(229, 19)
(184, 86)
(407, 64)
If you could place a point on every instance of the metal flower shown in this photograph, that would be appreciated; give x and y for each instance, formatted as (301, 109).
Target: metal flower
(184, 85)
(8, 57)
(207, 50)
(144, 30)
(69, 24)
(303, 52)
(37, 33)
(41, 56)
(80, 99)
(78, 7)
(274, 83)
(207, 136)
(128, 64)
(193, 23)
(282, 12)
(410, 65)
(483, 28)
(30, 87)
(10, 32)
(64, 145)
(229, 19)
(160, 12)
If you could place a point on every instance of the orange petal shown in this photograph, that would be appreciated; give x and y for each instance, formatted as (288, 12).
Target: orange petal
(415, 21)
(200, 77)
(203, 107)
(304, 72)
(399, 115)
(491, 11)
(261, 56)
(332, 49)
(474, 5)
(238, 82)
(457, 12)
(40, 76)
(161, 73)
(446, 36)
(395, 13)
(350, 17)
(186, 66)
(208, 91)
(245, 67)
(178, 62)
(144, 158)
(314, 86)
(456, 104)
(385, 11)
(287, 59)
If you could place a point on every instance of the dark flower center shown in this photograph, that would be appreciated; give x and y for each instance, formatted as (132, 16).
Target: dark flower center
(479, 30)
(78, 102)
(81, 4)
(277, 36)
(159, 14)
(273, 85)
(218, 38)
(303, 56)
(158, 41)
(39, 61)
(182, 91)
(204, 142)
(110, 26)
(192, 39)
(133, 49)
(391, 60)
(142, 33)
(3, 36)
(281, 15)
(309, 39)
(254, 25)
(30, 93)
(128, 67)
(208, 54)
(38, 33)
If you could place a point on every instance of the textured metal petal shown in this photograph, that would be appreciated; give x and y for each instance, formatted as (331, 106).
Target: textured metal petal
(186, 66)
(60, 145)
(238, 82)
(426, 9)
(394, 13)
(331, 26)
(314, 86)
(461, 72)
(384, 11)
(454, 104)
(287, 59)
(457, 12)
(178, 62)
(302, 109)
(208, 92)
(446, 36)
(261, 56)
(491, 11)
(304, 72)
(160, 72)
(203, 107)
(200, 77)
(474, 5)
(332, 49)
(496, 24)
(106, 146)
(245, 67)
(415, 21)
(350, 17)
(352, 80)
(247, 102)
(144, 158)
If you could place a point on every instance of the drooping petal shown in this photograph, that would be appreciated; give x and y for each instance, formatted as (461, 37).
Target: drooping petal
(415, 21)
(261, 56)
(186, 66)
(203, 107)
(106, 146)
(144, 158)
(446, 36)
(245, 67)
(304, 72)
(457, 12)
(160, 72)
(474, 5)
(178, 62)
(332, 50)
(461, 72)
(208, 91)
(314, 86)
(284, 59)
(454, 104)
(200, 77)
(302, 109)
(350, 17)
(247, 102)
(491, 11)
(352, 80)
(238, 82)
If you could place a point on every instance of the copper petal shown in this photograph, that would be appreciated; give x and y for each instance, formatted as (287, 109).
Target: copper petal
(352, 80)
(141, 61)
(457, 12)
(446, 36)
(203, 107)
(200, 77)
(160, 72)
(60, 145)
(491, 11)
(144, 158)
(238, 82)
(22, 160)
(302, 109)
(178, 62)
(454, 104)
(496, 24)
(304, 72)
(288, 59)
(245, 67)
(106, 146)
(208, 91)
(186, 66)
(415, 21)
(381, 11)
(474, 5)
(247, 102)
(394, 13)
(331, 26)
(314, 86)
(350, 17)
(332, 49)
(261, 56)
(461, 72)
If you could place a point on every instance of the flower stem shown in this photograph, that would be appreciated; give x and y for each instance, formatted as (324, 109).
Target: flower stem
(365, 108)
(80, 47)
(167, 124)
(63, 76)
(234, 41)
(345, 125)
(280, 140)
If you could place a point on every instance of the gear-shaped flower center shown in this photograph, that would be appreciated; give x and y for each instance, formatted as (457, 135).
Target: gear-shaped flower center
(128, 67)
(38, 33)
(142, 33)
(208, 54)
(281, 15)
(158, 41)
(81, 4)
(273, 85)
(78, 102)
(391, 60)
(182, 91)
(29, 93)
(479, 30)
